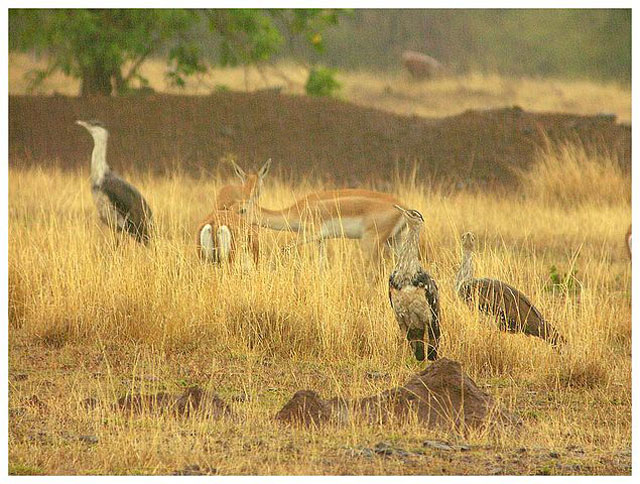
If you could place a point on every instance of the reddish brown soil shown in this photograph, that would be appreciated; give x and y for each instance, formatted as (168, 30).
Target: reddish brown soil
(305, 136)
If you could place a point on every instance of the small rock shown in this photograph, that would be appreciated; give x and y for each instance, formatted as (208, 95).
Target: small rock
(194, 470)
(569, 468)
(494, 471)
(376, 375)
(361, 452)
(383, 448)
(89, 439)
(241, 397)
(576, 449)
(437, 444)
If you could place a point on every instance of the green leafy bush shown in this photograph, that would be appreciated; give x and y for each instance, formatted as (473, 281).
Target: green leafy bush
(322, 82)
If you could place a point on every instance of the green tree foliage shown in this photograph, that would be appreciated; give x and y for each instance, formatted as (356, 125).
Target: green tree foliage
(97, 45)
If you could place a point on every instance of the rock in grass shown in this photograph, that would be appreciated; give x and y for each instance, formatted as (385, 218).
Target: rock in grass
(88, 439)
(440, 396)
(437, 444)
(193, 399)
(307, 408)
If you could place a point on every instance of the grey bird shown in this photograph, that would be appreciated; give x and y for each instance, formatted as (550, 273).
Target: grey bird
(413, 293)
(514, 311)
(120, 205)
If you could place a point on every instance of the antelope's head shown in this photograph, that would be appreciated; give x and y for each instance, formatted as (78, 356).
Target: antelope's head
(252, 183)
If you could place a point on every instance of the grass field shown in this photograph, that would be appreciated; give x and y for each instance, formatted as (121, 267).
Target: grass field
(395, 93)
(93, 317)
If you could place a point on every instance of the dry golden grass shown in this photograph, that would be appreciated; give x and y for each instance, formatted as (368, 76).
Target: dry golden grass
(390, 92)
(94, 317)
(569, 175)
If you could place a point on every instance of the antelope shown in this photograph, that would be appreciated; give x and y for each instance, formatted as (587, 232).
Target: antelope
(364, 215)
(217, 233)
(421, 66)
(220, 234)
(511, 307)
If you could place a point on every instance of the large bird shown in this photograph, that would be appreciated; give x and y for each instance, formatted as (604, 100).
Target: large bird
(120, 205)
(414, 294)
(513, 309)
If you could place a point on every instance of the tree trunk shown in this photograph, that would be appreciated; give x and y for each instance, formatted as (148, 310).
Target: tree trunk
(96, 81)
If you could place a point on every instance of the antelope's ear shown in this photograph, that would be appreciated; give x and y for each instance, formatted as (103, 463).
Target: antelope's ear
(239, 171)
(265, 169)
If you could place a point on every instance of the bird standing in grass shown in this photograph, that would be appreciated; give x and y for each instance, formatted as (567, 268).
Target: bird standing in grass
(513, 309)
(120, 205)
(414, 294)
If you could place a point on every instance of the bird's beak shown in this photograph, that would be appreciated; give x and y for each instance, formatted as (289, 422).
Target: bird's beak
(81, 123)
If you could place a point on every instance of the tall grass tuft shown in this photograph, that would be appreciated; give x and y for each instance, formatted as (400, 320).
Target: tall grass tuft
(569, 174)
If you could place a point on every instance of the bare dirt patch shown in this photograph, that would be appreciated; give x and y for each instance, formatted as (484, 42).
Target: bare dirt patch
(324, 138)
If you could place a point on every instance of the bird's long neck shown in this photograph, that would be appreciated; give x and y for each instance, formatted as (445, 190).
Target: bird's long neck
(99, 165)
(465, 272)
(409, 256)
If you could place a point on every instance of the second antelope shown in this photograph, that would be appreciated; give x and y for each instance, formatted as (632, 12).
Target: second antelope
(365, 215)
(222, 234)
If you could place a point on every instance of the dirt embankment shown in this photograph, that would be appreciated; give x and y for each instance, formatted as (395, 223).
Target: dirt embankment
(324, 138)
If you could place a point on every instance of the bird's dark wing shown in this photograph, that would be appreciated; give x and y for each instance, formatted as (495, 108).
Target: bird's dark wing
(424, 280)
(392, 284)
(499, 297)
(515, 310)
(130, 204)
